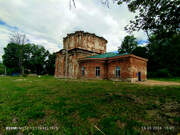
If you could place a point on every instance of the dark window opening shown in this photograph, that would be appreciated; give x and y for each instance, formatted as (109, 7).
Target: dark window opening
(118, 72)
(83, 71)
(139, 76)
(97, 71)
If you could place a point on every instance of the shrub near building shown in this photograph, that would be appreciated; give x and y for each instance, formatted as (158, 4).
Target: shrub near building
(1, 69)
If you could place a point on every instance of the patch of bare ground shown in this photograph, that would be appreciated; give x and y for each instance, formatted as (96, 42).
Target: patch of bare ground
(160, 83)
(20, 80)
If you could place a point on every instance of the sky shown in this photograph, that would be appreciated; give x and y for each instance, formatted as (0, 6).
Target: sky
(46, 22)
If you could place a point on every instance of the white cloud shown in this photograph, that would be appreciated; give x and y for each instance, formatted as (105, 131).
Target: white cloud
(47, 22)
(3, 39)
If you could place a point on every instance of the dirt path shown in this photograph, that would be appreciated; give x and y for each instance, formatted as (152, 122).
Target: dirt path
(154, 82)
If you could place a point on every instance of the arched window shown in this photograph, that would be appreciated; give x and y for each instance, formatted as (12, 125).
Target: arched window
(117, 71)
(83, 71)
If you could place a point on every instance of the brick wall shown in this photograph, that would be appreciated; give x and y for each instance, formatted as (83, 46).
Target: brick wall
(129, 67)
(90, 69)
(72, 63)
(86, 41)
(138, 65)
(60, 65)
(124, 65)
(91, 45)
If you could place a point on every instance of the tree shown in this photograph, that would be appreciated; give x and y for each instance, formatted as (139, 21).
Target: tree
(72, 1)
(50, 64)
(36, 59)
(141, 52)
(128, 45)
(161, 22)
(164, 54)
(11, 57)
(154, 15)
(39, 55)
(19, 39)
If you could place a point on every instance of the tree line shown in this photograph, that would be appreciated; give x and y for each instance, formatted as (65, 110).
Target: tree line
(27, 58)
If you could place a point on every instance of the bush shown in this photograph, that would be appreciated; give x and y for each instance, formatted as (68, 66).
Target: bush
(175, 71)
(24, 75)
(1, 69)
(151, 74)
(13, 71)
(164, 73)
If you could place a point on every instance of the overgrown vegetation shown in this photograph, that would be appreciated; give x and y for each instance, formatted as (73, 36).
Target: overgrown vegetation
(79, 107)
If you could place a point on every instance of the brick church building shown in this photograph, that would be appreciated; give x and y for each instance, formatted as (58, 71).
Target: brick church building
(84, 56)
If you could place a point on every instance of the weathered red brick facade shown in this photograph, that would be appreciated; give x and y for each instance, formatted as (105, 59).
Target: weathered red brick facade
(84, 56)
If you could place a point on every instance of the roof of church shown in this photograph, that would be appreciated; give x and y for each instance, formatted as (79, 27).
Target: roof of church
(107, 55)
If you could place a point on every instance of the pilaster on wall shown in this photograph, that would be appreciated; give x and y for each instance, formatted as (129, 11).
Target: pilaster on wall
(130, 68)
(66, 63)
(105, 70)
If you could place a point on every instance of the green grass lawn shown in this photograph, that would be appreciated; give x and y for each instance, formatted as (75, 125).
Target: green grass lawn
(174, 79)
(78, 107)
